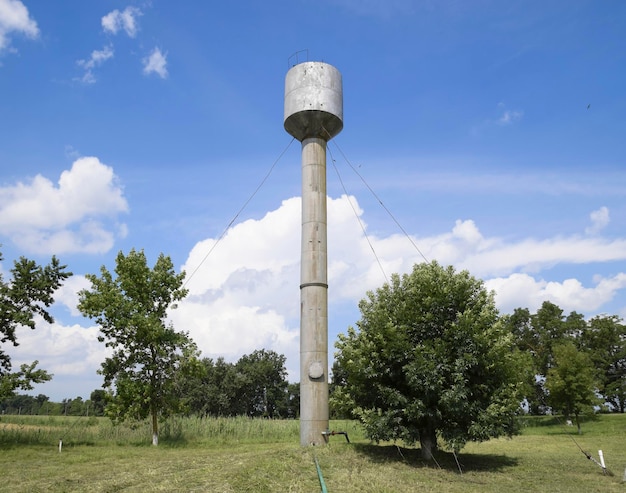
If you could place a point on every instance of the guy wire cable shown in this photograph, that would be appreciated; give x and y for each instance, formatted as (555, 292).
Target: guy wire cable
(585, 453)
(239, 212)
(380, 202)
(357, 217)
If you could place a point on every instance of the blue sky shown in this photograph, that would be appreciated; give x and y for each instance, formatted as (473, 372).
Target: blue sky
(493, 132)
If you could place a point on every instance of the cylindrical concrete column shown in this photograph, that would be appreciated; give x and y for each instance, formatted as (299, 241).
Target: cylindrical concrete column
(313, 296)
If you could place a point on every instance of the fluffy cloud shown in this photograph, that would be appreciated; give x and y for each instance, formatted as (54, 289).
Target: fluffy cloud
(14, 18)
(599, 220)
(126, 20)
(72, 355)
(487, 257)
(78, 215)
(70, 350)
(113, 23)
(155, 63)
(67, 294)
(522, 290)
(244, 288)
(97, 58)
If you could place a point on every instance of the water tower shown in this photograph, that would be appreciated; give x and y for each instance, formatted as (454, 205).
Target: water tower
(313, 115)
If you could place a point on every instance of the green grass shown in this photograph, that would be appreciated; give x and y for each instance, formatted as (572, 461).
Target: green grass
(241, 455)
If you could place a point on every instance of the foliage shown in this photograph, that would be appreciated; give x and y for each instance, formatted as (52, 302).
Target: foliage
(254, 386)
(98, 400)
(41, 405)
(571, 382)
(147, 354)
(264, 383)
(604, 337)
(431, 359)
(24, 297)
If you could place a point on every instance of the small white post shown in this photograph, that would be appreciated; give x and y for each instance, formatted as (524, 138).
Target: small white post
(602, 460)
(60, 445)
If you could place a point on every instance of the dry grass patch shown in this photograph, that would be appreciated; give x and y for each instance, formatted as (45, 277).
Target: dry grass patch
(241, 455)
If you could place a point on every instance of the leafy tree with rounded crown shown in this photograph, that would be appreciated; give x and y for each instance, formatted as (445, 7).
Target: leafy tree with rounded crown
(26, 295)
(131, 310)
(264, 383)
(431, 359)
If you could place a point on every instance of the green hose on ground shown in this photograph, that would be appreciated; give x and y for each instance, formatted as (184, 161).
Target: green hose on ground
(319, 475)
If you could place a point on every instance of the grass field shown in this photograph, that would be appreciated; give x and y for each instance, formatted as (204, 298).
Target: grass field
(245, 455)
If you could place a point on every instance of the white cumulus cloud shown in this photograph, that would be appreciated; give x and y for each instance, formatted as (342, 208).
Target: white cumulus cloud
(125, 19)
(156, 63)
(78, 214)
(14, 18)
(525, 291)
(244, 289)
(71, 353)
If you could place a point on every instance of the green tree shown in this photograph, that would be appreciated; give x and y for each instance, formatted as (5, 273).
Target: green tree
(254, 386)
(571, 382)
(76, 407)
(604, 338)
(43, 401)
(536, 335)
(430, 358)
(527, 340)
(549, 325)
(26, 295)
(98, 399)
(20, 404)
(263, 383)
(292, 401)
(212, 391)
(340, 406)
(131, 310)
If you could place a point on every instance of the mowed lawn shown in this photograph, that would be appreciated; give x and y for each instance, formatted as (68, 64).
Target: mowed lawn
(241, 455)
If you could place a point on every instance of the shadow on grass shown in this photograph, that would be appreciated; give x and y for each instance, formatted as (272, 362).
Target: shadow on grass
(445, 460)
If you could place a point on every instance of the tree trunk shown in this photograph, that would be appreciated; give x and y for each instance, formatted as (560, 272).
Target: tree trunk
(428, 442)
(155, 428)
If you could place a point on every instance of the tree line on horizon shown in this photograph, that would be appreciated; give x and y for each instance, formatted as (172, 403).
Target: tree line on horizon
(255, 386)
(431, 357)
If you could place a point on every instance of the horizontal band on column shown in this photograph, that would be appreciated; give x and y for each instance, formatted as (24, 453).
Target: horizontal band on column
(318, 284)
